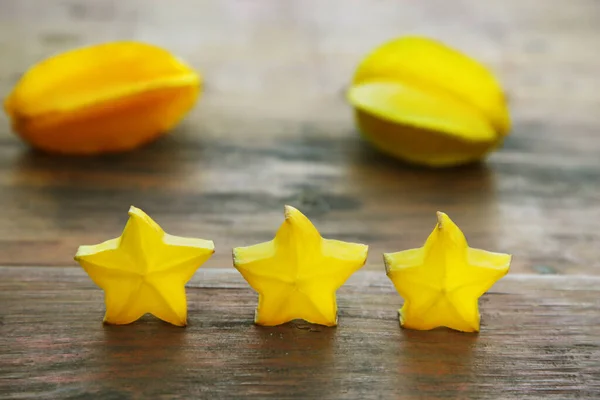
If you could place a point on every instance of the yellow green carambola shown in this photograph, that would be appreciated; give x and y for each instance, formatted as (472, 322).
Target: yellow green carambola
(423, 102)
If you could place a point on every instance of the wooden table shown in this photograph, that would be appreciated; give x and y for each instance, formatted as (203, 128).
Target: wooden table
(273, 128)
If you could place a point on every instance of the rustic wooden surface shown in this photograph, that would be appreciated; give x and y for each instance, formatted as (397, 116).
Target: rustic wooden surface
(273, 128)
(539, 338)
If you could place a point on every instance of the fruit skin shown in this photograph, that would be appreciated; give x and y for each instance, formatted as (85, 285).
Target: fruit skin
(418, 100)
(420, 146)
(105, 98)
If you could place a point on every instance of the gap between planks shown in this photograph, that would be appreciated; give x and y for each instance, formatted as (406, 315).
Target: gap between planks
(231, 278)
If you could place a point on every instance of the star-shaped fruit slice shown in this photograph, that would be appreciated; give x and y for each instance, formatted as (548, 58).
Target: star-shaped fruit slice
(144, 270)
(442, 281)
(297, 273)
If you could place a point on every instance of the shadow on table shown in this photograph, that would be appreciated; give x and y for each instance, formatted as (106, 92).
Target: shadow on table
(298, 354)
(372, 168)
(437, 361)
(165, 155)
(142, 345)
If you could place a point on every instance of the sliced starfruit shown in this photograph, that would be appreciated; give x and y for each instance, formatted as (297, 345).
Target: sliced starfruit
(104, 98)
(297, 273)
(423, 102)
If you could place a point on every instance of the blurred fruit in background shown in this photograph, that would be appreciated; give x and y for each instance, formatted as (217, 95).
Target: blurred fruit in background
(104, 98)
(425, 103)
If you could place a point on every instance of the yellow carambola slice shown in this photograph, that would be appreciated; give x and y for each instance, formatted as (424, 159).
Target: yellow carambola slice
(144, 270)
(297, 273)
(442, 281)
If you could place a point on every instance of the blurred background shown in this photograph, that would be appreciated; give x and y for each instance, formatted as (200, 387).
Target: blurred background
(273, 127)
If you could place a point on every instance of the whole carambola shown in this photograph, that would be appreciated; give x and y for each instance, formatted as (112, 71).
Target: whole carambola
(426, 103)
(103, 98)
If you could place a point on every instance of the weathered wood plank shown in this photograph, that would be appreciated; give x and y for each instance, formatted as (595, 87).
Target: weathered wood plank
(272, 128)
(540, 338)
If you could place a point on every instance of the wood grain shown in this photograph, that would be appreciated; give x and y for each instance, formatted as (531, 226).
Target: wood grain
(539, 338)
(273, 127)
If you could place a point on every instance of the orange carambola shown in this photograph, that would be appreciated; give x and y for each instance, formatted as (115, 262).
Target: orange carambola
(442, 281)
(103, 98)
(425, 103)
(297, 273)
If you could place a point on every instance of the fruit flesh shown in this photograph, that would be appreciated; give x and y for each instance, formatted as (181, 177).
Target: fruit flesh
(297, 273)
(442, 281)
(144, 270)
